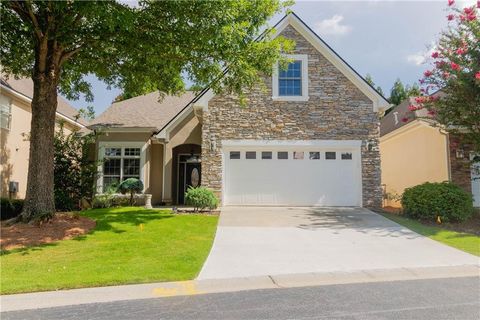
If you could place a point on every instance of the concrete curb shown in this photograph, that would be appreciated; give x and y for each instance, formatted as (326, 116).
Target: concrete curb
(59, 298)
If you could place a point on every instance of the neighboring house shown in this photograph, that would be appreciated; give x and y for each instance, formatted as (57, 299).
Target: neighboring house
(310, 139)
(417, 151)
(16, 114)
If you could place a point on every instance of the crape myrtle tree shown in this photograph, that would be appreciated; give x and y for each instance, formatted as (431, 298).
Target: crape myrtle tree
(149, 46)
(455, 71)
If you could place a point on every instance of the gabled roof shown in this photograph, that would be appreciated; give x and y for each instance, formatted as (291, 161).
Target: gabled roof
(379, 101)
(150, 111)
(24, 88)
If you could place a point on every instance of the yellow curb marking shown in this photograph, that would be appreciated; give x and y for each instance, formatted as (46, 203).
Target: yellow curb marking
(186, 288)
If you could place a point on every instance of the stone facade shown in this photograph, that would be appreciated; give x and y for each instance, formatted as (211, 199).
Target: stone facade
(336, 110)
(460, 170)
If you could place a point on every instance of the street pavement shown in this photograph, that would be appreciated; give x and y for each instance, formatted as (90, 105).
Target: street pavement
(446, 298)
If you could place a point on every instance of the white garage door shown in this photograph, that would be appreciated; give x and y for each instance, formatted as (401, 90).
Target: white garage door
(296, 173)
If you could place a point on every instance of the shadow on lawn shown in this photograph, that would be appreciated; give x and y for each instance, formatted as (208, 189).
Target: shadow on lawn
(110, 219)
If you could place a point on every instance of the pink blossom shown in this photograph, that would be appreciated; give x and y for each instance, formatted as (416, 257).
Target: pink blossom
(461, 51)
(404, 119)
(467, 10)
(451, 2)
(431, 112)
(419, 100)
(462, 17)
(412, 107)
(427, 73)
(471, 17)
(455, 66)
(435, 55)
(450, 17)
(421, 81)
(446, 75)
(478, 4)
(477, 75)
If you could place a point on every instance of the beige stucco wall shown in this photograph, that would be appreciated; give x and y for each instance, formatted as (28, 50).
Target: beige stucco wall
(413, 155)
(189, 131)
(15, 146)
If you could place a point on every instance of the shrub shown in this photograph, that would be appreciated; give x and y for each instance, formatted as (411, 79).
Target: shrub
(429, 200)
(10, 208)
(131, 186)
(201, 198)
(103, 201)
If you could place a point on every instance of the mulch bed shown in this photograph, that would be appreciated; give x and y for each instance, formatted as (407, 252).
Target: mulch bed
(63, 226)
(471, 225)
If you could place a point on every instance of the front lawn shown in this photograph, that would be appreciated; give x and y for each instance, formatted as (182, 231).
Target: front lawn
(128, 245)
(464, 241)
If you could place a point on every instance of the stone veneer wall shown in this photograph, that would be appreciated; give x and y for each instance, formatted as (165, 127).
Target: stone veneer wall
(460, 171)
(336, 110)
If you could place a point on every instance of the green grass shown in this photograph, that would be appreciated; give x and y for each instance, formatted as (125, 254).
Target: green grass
(464, 241)
(170, 247)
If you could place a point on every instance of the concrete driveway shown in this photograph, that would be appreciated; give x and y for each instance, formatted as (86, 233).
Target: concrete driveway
(256, 241)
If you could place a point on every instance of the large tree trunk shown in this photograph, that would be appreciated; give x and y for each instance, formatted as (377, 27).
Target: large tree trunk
(39, 199)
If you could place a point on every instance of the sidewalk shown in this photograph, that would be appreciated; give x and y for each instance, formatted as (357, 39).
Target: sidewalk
(184, 288)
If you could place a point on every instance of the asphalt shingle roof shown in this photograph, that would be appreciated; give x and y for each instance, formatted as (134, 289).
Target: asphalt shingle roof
(146, 111)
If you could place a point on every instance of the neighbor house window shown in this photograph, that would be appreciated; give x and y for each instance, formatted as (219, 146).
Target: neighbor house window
(290, 83)
(5, 114)
(120, 164)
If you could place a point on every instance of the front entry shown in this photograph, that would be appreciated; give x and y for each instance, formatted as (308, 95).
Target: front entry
(189, 174)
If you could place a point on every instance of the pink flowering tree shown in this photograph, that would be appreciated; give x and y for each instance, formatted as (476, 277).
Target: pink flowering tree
(451, 87)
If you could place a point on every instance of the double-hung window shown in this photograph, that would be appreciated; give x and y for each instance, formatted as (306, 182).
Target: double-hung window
(5, 113)
(120, 164)
(290, 83)
(290, 80)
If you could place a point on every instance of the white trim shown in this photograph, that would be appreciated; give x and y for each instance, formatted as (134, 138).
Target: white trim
(292, 143)
(275, 91)
(165, 132)
(379, 102)
(124, 129)
(120, 144)
(29, 100)
(415, 124)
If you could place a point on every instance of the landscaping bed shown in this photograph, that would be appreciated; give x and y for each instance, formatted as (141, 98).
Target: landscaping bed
(63, 226)
(127, 245)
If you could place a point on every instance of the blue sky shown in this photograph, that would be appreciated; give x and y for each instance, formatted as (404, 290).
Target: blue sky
(387, 39)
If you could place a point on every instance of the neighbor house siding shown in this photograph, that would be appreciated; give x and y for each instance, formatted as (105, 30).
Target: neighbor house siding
(411, 156)
(15, 146)
(336, 110)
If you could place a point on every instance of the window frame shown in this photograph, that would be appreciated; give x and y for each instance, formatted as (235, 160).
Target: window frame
(6, 104)
(102, 146)
(304, 76)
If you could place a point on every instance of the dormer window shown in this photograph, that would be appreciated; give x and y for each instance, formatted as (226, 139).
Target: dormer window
(291, 84)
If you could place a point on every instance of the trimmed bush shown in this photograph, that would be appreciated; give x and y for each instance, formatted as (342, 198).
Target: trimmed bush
(201, 198)
(429, 200)
(131, 186)
(10, 208)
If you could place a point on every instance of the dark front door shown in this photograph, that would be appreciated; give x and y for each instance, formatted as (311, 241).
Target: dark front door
(189, 175)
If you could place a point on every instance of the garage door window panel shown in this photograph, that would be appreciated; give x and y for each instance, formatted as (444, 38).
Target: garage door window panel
(330, 155)
(315, 155)
(234, 155)
(266, 155)
(282, 155)
(298, 155)
(346, 156)
(251, 155)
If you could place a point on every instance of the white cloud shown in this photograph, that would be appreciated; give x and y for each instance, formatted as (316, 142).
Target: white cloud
(421, 57)
(332, 26)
